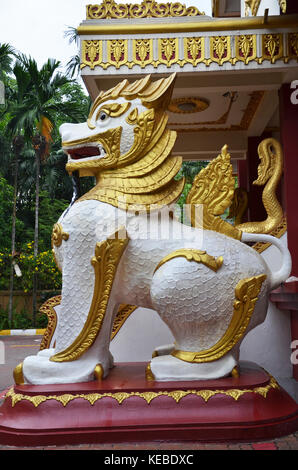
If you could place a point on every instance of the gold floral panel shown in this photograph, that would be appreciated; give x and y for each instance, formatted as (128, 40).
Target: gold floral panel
(91, 53)
(272, 47)
(117, 52)
(143, 52)
(246, 48)
(194, 50)
(168, 51)
(293, 45)
(220, 49)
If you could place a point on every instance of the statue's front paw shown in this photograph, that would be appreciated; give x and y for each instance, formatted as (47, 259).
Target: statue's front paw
(163, 350)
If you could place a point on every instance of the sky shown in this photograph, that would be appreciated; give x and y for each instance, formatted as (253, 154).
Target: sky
(36, 27)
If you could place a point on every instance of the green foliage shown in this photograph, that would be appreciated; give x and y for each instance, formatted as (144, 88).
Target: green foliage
(21, 320)
(49, 276)
(6, 198)
(4, 324)
(49, 212)
(189, 170)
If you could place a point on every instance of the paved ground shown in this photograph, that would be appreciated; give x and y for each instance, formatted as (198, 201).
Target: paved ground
(18, 347)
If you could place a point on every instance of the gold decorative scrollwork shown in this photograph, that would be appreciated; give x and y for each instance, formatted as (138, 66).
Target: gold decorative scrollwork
(109, 9)
(105, 262)
(58, 235)
(123, 313)
(252, 5)
(193, 255)
(213, 189)
(148, 396)
(283, 5)
(48, 308)
(246, 295)
(278, 232)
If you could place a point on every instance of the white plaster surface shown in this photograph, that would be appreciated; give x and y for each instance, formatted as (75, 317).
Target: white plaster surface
(269, 344)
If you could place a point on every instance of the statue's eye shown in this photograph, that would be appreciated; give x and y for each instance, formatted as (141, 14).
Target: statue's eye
(103, 116)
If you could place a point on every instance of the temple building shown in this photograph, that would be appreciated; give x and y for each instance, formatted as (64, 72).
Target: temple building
(237, 84)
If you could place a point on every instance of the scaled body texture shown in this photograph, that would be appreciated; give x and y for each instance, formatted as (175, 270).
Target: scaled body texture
(120, 244)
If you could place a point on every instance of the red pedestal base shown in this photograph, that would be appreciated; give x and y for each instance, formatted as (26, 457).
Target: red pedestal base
(125, 408)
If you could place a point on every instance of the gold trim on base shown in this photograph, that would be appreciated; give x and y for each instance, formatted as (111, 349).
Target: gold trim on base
(98, 372)
(18, 374)
(120, 397)
(149, 374)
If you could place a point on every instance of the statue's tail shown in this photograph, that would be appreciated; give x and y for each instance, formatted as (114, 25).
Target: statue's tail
(284, 272)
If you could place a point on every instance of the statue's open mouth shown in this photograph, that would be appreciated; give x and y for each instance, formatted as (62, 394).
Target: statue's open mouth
(90, 152)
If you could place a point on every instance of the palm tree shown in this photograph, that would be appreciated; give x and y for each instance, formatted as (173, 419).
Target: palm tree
(6, 57)
(37, 106)
(18, 144)
(73, 65)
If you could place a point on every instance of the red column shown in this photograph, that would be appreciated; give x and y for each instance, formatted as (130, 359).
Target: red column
(292, 6)
(242, 180)
(256, 209)
(289, 140)
(242, 174)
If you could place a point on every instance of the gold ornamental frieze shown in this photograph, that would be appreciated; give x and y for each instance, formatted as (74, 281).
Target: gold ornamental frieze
(177, 50)
(148, 396)
(109, 9)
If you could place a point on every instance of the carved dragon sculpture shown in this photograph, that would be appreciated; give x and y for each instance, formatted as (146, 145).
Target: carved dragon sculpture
(117, 246)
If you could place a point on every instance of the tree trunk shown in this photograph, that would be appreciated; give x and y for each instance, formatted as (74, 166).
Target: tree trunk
(18, 145)
(39, 147)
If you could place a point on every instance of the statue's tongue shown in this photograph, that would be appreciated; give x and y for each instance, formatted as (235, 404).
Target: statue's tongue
(83, 152)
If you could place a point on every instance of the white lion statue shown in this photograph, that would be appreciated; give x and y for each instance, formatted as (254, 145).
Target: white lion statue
(121, 244)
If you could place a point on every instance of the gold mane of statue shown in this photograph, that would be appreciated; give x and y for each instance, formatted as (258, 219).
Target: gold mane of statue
(143, 176)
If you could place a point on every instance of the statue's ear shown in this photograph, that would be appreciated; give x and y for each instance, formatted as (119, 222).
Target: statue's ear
(158, 94)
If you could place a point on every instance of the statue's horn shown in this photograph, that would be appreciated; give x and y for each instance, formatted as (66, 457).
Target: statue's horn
(158, 94)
